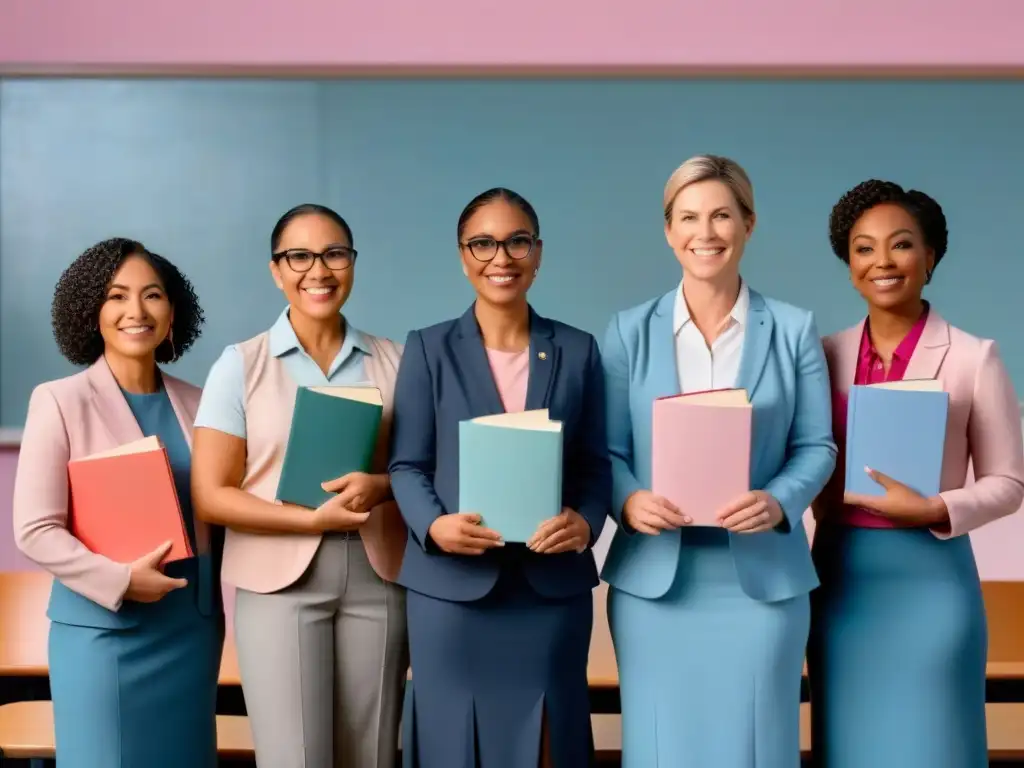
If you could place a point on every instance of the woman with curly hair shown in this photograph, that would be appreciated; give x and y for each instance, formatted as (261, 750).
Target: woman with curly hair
(898, 641)
(134, 648)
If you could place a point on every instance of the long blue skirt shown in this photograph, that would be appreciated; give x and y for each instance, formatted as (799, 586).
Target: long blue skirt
(710, 678)
(144, 697)
(486, 673)
(897, 651)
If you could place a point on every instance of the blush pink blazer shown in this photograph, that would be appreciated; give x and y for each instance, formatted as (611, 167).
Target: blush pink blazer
(67, 419)
(983, 429)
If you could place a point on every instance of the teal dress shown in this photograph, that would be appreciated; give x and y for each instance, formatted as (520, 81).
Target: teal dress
(138, 688)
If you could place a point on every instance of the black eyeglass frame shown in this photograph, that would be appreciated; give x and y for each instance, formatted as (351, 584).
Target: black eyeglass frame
(502, 244)
(286, 255)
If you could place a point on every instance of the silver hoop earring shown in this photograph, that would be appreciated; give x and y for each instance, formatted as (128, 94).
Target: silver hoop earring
(170, 339)
(535, 272)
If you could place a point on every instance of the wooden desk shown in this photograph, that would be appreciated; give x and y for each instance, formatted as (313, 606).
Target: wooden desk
(26, 731)
(24, 627)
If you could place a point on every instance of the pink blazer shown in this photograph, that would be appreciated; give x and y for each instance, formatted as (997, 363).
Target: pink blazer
(984, 426)
(67, 419)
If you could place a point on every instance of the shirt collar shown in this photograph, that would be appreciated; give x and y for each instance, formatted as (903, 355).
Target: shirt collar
(737, 316)
(905, 349)
(283, 339)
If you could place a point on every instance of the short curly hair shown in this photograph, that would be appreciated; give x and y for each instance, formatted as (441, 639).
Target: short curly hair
(866, 195)
(82, 290)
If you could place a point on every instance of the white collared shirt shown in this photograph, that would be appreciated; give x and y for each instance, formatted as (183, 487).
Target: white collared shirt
(698, 367)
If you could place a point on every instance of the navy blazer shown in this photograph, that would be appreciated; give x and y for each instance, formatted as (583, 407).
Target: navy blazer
(445, 378)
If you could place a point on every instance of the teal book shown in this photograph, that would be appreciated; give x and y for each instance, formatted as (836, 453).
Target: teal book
(899, 429)
(334, 432)
(510, 471)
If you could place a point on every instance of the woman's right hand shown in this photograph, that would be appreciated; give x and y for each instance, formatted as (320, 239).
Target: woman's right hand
(462, 534)
(148, 583)
(646, 513)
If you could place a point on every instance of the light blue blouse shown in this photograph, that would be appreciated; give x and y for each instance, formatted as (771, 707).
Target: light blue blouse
(222, 406)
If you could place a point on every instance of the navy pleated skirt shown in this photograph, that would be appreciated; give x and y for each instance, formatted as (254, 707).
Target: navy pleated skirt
(486, 674)
(897, 651)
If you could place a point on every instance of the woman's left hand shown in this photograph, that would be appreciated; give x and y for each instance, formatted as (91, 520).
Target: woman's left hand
(753, 512)
(900, 503)
(359, 491)
(566, 532)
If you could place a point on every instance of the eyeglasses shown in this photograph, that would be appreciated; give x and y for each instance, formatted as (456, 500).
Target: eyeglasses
(335, 258)
(486, 248)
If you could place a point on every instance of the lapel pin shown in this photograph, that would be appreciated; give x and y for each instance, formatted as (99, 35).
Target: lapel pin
(542, 355)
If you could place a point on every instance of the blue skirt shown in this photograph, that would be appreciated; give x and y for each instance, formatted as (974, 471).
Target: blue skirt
(710, 678)
(144, 697)
(897, 651)
(485, 675)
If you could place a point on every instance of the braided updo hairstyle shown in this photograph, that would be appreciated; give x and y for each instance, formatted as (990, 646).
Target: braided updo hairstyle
(866, 195)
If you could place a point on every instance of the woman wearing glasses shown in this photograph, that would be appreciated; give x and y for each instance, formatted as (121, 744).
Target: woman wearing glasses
(499, 631)
(319, 625)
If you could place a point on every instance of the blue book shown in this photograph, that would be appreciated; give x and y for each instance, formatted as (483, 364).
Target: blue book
(510, 471)
(899, 429)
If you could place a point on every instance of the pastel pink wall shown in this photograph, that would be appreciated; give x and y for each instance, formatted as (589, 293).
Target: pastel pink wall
(354, 35)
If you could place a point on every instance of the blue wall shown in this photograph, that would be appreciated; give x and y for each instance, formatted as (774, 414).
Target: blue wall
(200, 170)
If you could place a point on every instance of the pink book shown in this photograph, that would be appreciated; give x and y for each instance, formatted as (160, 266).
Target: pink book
(700, 453)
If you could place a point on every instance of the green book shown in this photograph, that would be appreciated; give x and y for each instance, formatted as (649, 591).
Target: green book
(334, 432)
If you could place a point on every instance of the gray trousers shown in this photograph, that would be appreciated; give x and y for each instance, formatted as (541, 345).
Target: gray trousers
(323, 663)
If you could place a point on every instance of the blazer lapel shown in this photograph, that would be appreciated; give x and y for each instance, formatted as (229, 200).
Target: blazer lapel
(110, 404)
(480, 388)
(757, 342)
(931, 349)
(544, 358)
(185, 419)
(843, 353)
(662, 365)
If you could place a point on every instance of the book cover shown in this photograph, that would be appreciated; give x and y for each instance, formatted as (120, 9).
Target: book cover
(700, 452)
(510, 471)
(124, 504)
(333, 432)
(897, 428)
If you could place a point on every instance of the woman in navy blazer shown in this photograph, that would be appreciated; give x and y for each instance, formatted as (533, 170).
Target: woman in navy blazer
(710, 623)
(499, 633)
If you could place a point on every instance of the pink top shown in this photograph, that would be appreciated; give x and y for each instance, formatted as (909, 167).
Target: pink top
(511, 371)
(871, 370)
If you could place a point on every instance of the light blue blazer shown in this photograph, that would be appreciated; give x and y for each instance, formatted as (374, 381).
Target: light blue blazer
(792, 452)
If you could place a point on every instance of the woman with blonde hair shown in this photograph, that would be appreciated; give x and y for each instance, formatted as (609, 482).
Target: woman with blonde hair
(710, 622)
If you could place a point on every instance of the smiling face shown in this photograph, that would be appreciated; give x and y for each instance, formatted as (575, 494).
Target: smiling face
(708, 231)
(504, 279)
(320, 292)
(889, 259)
(136, 315)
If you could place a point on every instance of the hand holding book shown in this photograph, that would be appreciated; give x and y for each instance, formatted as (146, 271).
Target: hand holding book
(359, 491)
(901, 503)
(462, 534)
(646, 512)
(566, 532)
(148, 583)
(752, 512)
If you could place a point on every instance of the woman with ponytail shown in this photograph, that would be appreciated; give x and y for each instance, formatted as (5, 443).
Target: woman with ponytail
(898, 641)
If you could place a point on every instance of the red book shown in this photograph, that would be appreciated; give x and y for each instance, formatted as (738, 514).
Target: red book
(124, 503)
